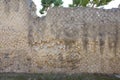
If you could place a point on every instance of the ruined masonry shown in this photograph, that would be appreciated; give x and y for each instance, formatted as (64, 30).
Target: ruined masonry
(69, 40)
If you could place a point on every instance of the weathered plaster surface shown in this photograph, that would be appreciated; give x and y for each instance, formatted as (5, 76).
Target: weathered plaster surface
(71, 40)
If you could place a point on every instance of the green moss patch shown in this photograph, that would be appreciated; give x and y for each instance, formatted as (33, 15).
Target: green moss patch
(51, 76)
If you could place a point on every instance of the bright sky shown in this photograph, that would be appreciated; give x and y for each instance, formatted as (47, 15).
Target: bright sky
(113, 4)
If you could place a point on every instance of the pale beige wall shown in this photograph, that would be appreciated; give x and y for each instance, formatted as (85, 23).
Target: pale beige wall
(72, 40)
(79, 40)
(13, 24)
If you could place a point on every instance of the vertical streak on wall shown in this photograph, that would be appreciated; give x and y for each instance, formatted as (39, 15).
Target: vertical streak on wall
(101, 42)
(85, 36)
(116, 39)
(7, 6)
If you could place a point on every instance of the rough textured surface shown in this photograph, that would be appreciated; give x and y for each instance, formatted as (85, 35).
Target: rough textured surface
(13, 24)
(70, 40)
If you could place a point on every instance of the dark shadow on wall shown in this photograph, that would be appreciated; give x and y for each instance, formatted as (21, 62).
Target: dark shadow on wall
(36, 25)
(36, 30)
(30, 35)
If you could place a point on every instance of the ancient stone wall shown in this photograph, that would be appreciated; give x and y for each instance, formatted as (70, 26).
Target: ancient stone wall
(13, 24)
(71, 40)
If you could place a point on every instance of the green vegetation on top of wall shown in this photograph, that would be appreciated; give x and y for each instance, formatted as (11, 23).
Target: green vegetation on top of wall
(46, 4)
(90, 3)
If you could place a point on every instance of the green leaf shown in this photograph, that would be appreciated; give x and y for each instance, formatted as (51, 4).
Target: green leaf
(85, 2)
(42, 10)
(76, 2)
(95, 1)
(58, 2)
(71, 5)
(103, 2)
